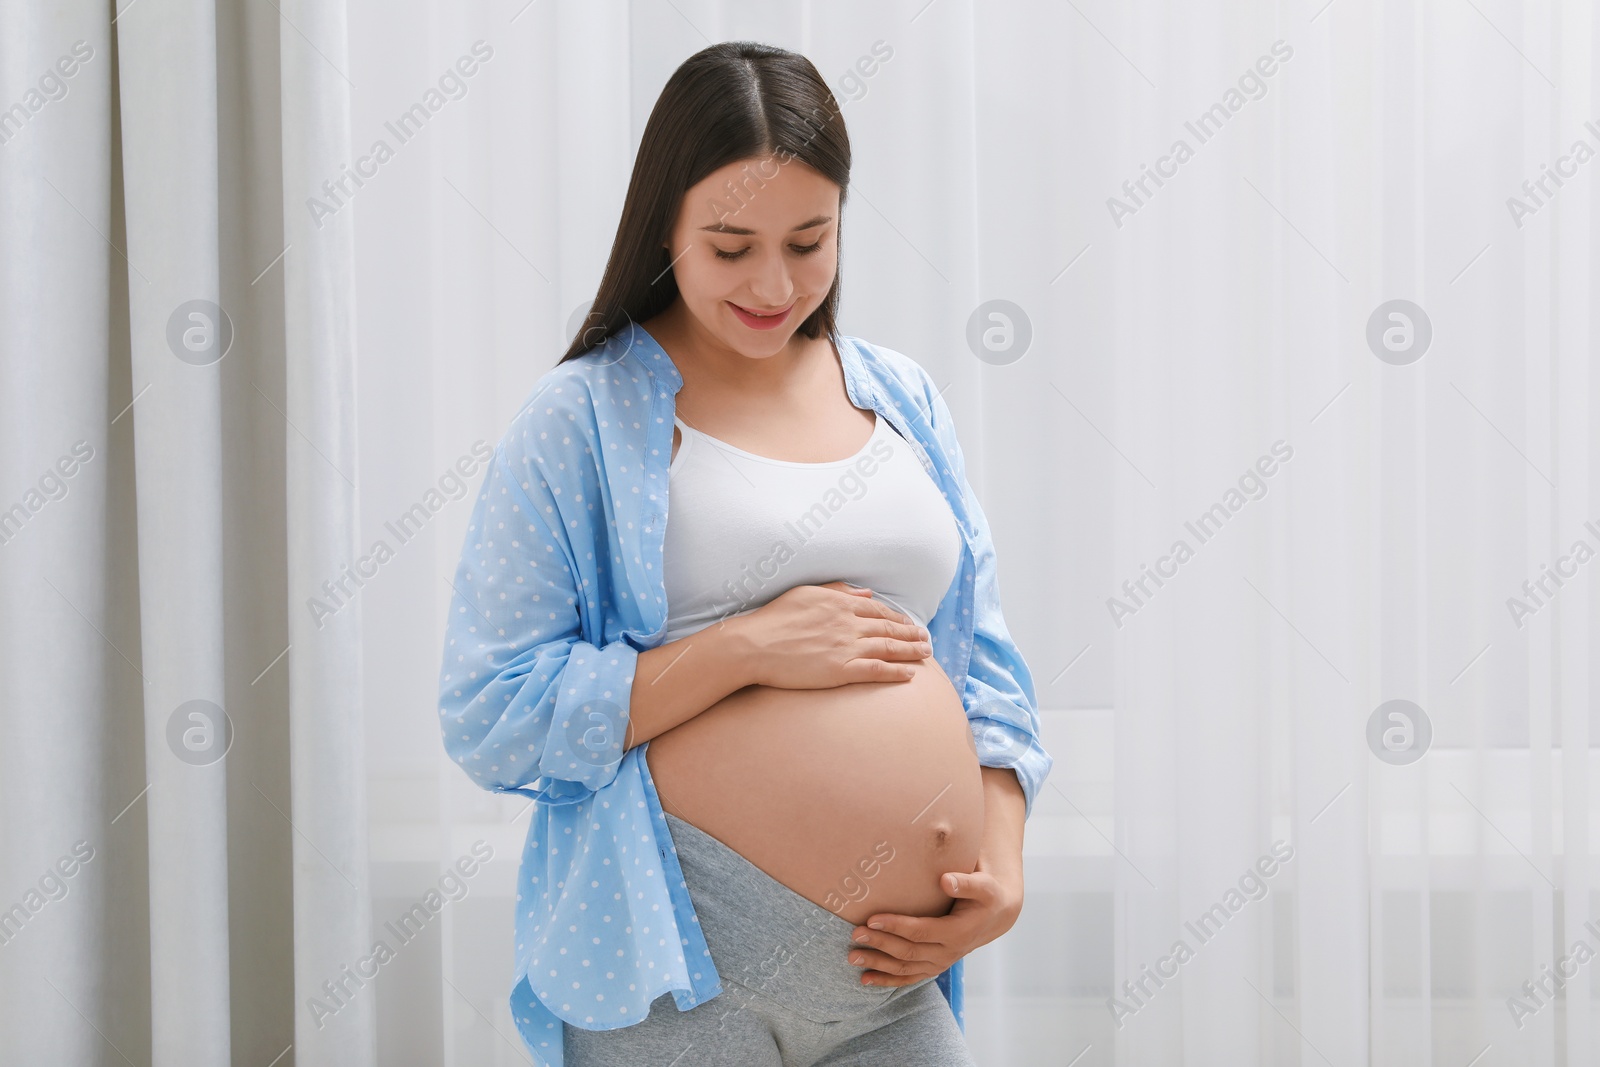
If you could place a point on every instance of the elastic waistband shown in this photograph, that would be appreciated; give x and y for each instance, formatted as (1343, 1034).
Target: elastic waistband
(770, 939)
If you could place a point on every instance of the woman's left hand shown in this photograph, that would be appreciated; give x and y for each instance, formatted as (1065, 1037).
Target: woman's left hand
(910, 948)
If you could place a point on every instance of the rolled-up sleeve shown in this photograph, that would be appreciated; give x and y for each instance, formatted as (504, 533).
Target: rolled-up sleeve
(998, 693)
(528, 702)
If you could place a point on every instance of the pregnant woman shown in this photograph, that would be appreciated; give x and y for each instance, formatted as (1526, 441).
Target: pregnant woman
(781, 746)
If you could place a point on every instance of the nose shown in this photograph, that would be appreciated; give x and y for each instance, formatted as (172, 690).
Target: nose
(771, 284)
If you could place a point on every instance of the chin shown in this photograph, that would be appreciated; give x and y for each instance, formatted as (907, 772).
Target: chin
(761, 348)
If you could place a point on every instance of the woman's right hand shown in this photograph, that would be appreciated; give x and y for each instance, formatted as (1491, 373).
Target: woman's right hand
(822, 636)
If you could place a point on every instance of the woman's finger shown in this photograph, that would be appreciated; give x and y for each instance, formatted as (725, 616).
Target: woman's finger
(845, 587)
(878, 961)
(892, 945)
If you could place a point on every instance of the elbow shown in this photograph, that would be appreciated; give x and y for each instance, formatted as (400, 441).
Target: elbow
(550, 724)
(1002, 743)
(502, 768)
(583, 749)
(492, 760)
(546, 742)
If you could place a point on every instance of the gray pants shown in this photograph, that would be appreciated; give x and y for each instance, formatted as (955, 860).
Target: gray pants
(790, 996)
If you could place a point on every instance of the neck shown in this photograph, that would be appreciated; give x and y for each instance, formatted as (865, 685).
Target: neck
(700, 354)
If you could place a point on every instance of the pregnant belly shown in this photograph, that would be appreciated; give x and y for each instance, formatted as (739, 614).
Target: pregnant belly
(857, 798)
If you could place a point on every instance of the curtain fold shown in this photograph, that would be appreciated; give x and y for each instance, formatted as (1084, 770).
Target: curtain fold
(332, 889)
(69, 636)
(167, 69)
(183, 864)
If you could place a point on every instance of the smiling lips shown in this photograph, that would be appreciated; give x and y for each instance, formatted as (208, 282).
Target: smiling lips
(758, 321)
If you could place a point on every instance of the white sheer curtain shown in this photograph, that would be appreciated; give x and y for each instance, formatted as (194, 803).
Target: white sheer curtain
(1226, 313)
(1180, 334)
(1379, 563)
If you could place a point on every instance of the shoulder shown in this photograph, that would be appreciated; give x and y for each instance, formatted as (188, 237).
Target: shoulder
(605, 391)
(902, 376)
(906, 384)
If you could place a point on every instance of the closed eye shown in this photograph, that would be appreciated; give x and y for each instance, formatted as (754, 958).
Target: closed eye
(799, 250)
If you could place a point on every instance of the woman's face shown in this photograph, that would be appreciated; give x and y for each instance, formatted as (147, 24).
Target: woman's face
(756, 237)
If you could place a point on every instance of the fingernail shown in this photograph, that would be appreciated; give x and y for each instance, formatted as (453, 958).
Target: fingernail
(857, 960)
(875, 926)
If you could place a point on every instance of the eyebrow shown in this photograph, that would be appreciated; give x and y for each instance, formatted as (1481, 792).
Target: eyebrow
(742, 232)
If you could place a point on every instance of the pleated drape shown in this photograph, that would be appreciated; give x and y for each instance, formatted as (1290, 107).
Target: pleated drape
(327, 740)
(71, 746)
(183, 854)
(168, 119)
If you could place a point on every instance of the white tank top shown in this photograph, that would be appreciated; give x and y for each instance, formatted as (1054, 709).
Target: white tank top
(744, 529)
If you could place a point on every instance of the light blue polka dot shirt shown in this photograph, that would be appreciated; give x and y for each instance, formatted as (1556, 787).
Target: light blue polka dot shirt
(559, 589)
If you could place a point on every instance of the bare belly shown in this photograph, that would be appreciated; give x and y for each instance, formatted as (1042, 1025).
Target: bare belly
(858, 798)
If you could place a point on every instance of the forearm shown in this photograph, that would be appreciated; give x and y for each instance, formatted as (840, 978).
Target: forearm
(676, 681)
(1004, 812)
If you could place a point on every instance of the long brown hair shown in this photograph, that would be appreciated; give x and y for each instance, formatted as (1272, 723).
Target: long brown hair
(735, 100)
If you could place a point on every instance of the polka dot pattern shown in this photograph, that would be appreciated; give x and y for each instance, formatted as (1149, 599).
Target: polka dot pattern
(559, 588)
